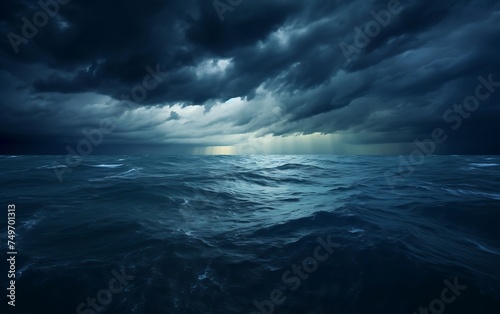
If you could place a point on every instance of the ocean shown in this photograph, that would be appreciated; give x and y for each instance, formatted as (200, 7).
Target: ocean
(309, 234)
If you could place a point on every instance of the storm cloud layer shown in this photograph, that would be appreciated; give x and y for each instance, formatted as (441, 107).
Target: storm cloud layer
(282, 76)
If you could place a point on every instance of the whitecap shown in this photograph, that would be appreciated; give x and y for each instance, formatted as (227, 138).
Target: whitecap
(127, 173)
(185, 232)
(58, 166)
(483, 164)
(106, 166)
(356, 230)
(28, 224)
(23, 269)
(483, 248)
(203, 276)
(451, 191)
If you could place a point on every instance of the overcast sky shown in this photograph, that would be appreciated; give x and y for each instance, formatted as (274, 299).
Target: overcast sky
(250, 76)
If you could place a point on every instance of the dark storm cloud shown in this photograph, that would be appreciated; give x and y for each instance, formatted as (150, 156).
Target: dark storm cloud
(395, 89)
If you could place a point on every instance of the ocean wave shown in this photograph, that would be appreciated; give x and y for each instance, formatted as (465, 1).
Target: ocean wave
(51, 167)
(483, 164)
(112, 166)
(294, 166)
(28, 224)
(133, 173)
(356, 230)
(461, 192)
(483, 248)
(213, 234)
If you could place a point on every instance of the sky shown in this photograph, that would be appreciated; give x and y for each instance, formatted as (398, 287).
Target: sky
(249, 76)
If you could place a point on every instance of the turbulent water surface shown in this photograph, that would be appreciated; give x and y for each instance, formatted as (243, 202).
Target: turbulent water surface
(232, 234)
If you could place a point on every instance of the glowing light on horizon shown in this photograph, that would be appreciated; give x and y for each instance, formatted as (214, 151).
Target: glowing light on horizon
(215, 150)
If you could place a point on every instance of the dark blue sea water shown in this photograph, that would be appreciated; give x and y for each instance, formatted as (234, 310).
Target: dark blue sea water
(253, 234)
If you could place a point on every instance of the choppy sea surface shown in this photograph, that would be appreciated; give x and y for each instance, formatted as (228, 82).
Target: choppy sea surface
(250, 234)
